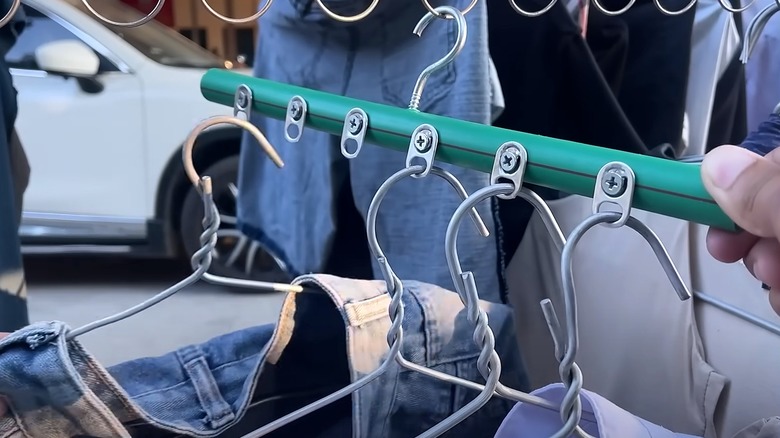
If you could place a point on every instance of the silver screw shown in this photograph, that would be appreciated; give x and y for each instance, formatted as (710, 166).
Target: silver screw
(296, 110)
(423, 140)
(243, 99)
(510, 160)
(613, 182)
(355, 123)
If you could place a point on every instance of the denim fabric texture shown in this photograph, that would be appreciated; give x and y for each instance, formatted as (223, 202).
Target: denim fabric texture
(291, 211)
(332, 334)
(765, 138)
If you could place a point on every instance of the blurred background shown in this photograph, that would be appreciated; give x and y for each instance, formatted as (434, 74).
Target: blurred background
(109, 217)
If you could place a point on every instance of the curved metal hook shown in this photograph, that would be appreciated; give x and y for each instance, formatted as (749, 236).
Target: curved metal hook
(460, 43)
(522, 11)
(673, 13)
(11, 12)
(192, 174)
(249, 19)
(755, 28)
(189, 144)
(141, 21)
(570, 408)
(353, 18)
(466, 288)
(438, 14)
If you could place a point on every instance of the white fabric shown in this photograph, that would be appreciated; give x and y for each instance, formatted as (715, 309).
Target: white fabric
(747, 354)
(600, 419)
(715, 42)
(640, 347)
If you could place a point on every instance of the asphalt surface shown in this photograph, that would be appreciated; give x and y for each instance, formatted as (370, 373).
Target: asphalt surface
(79, 290)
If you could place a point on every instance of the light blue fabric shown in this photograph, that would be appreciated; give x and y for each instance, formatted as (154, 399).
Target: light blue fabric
(600, 419)
(55, 389)
(291, 211)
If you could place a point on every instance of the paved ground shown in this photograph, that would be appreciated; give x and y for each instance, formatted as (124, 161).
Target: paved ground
(79, 290)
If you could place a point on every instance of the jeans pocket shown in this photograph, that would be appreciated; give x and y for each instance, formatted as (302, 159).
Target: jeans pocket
(405, 56)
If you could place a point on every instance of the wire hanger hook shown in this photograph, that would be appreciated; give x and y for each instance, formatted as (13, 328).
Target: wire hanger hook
(460, 43)
(245, 20)
(755, 28)
(438, 14)
(141, 21)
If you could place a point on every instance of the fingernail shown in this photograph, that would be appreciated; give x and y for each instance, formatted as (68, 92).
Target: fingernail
(723, 166)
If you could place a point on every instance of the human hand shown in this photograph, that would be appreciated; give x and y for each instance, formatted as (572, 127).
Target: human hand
(747, 187)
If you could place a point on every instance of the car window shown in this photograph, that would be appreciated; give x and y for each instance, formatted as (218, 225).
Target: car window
(41, 29)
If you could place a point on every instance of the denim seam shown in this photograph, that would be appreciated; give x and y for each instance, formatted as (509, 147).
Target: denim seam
(217, 410)
(122, 397)
(19, 423)
(185, 382)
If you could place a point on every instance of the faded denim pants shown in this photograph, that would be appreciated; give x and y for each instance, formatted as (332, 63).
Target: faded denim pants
(330, 335)
(293, 211)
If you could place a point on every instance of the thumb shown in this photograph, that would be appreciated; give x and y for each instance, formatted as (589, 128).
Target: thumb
(746, 186)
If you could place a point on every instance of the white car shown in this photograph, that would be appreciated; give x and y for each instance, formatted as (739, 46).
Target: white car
(104, 139)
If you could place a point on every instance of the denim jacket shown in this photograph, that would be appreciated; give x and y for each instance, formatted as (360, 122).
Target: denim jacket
(329, 336)
(293, 211)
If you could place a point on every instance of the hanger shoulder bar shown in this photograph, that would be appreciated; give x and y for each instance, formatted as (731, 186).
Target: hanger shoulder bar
(663, 186)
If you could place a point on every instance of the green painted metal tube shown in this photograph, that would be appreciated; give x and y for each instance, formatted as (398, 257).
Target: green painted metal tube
(663, 186)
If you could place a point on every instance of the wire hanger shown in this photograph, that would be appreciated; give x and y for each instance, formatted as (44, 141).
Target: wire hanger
(508, 165)
(139, 22)
(201, 259)
(242, 112)
(615, 186)
(755, 28)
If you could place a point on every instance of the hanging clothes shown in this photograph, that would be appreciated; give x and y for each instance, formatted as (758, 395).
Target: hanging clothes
(332, 334)
(293, 212)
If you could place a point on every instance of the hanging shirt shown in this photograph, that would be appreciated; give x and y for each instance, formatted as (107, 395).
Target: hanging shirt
(600, 418)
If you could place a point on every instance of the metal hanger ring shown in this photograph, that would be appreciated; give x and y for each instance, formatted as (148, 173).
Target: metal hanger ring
(245, 20)
(189, 144)
(606, 11)
(673, 13)
(438, 14)
(11, 12)
(141, 21)
(346, 19)
(522, 11)
(725, 5)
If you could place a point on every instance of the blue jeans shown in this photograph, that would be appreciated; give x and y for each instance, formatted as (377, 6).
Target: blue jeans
(292, 211)
(329, 336)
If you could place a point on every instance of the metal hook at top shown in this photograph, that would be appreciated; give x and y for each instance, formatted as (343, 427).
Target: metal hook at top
(460, 43)
(245, 20)
(755, 28)
(141, 21)
(189, 144)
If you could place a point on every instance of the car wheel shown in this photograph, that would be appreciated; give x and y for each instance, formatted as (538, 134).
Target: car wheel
(236, 255)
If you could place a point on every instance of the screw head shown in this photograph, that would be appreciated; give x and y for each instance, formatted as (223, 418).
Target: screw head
(242, 99)
(296, 110)
(355, 123)
(510, 160)
(423, 140)
(613, 183)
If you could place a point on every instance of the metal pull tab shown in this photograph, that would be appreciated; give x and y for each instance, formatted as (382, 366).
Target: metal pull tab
(242, 103)
(509, 166)
(354, 132)
(615, 184)
(422, 146)
(296, 119)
